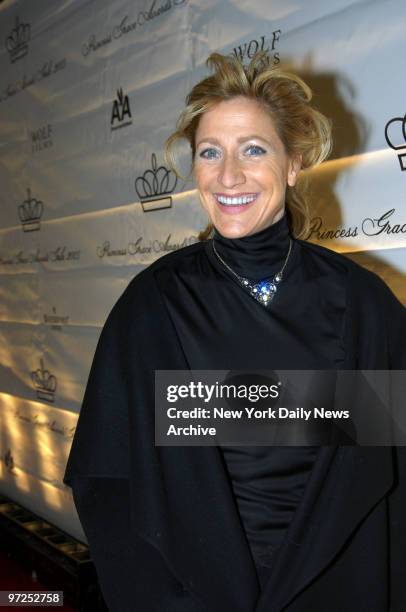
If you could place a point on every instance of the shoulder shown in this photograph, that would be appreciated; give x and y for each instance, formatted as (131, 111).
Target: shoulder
(375, 318)
(142, 289)
(357, 277)
(175, 260)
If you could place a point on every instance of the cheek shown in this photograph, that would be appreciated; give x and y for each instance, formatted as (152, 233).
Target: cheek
(271, 176)
(199, 176)
(201, 181)
(203, 177)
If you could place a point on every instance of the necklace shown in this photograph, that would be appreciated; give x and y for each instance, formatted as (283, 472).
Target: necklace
(264, 290)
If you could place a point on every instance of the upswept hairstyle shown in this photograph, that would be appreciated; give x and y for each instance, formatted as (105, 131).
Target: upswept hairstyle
(286, 97)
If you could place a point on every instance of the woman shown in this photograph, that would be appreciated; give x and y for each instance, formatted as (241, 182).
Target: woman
(238, 529)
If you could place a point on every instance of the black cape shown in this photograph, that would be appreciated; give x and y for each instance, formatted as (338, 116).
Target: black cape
(170, 512)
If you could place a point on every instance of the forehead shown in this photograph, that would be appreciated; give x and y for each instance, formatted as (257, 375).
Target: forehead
(239, 114)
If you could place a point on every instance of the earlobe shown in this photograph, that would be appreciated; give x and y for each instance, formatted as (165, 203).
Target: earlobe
(294, 170)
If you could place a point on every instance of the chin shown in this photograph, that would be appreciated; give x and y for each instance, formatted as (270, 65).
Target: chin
(232, 232)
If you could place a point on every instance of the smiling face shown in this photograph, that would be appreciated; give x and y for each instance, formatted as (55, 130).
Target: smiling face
(241, 168)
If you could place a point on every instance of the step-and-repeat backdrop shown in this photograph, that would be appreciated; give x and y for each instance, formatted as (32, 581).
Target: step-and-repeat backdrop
(89, 91)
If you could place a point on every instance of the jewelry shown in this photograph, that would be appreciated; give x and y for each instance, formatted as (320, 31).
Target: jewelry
(264, 290)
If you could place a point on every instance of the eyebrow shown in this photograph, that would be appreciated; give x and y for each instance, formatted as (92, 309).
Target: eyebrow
(214, 140)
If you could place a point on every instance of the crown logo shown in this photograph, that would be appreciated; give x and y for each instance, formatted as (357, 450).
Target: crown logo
(395, 135)
(55, 320)
(44, 383)
(30, 212)
(153, 185)
(16, 41)
(120, 111)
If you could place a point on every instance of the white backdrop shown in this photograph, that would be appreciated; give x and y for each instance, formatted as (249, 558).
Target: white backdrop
(89, 91)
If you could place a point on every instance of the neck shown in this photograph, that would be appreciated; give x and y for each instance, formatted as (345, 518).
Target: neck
(258, 256)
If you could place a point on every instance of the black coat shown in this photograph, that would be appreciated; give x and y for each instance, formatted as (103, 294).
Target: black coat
(162, 523)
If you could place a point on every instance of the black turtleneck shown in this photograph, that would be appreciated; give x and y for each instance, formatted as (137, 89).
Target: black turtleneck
(220, 326)
(258, 256)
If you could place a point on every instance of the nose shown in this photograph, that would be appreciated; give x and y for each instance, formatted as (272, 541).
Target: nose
(231, 172)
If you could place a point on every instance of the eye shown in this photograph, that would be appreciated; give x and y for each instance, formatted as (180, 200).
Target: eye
(255, 150)
(209, 153)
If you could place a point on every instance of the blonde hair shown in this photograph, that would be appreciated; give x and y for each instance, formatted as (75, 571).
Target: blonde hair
(302, 129)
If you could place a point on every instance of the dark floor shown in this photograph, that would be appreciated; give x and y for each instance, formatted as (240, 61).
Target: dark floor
(15, 577)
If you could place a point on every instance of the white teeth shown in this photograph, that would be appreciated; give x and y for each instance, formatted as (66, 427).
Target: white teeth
(235, 201)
